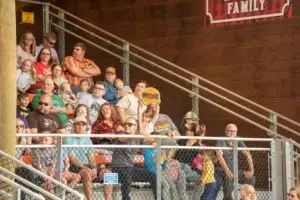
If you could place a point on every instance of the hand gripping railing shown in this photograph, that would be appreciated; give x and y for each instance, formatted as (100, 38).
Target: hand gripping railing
(41, 174)
(150, 60)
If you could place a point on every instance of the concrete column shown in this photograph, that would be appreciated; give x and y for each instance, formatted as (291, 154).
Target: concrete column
(7, 87)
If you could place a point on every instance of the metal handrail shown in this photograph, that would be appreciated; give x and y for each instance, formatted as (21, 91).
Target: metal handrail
(77, 194)
(22, 188)
(177, 67)
(166, 70)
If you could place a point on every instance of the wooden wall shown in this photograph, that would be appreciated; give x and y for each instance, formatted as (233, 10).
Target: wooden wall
(260, 61)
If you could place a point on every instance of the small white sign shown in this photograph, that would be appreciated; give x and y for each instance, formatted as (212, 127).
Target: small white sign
(111, 178)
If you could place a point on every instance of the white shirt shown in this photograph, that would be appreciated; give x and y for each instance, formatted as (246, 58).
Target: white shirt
(130, 104)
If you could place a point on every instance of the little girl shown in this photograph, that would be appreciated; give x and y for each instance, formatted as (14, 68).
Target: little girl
(147, 119)
(66, 94)
(25, 76)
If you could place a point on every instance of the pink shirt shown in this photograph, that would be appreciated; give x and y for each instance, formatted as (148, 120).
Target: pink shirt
(42, 69)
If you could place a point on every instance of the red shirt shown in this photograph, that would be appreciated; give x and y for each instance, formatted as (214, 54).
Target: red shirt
(100, 127)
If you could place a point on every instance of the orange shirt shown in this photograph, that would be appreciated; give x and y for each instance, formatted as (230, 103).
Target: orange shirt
(70, 61)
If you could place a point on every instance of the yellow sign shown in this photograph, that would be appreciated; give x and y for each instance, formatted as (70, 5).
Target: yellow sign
(28, 17)
(151, 96)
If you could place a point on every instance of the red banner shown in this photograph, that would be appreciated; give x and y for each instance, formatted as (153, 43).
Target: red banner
(223, 11)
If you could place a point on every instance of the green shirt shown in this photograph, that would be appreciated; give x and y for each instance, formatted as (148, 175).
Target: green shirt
(57, 102)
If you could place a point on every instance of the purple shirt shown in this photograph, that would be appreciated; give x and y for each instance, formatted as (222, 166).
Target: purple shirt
(23, 119)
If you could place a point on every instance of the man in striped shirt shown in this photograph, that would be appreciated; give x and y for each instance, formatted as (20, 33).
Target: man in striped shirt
(77, 67)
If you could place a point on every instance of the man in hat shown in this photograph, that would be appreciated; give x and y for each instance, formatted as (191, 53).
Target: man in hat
(111, 92)
(82, 160)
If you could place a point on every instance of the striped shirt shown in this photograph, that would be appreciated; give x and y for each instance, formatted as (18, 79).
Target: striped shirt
(70, 61)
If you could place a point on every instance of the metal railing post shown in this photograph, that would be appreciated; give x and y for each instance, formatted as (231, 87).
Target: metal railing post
(61, 37)
(273, 124)
(289, 166)
(235, 170)
(158, 169)
(59, 158)
(195, 100)
(46, 19)
(126, 64)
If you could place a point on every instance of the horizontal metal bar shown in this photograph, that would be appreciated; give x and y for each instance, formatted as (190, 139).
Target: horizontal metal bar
(34, 2)
(14, 184)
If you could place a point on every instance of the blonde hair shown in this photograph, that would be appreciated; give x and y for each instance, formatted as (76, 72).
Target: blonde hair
(32, 71)
(33, 46)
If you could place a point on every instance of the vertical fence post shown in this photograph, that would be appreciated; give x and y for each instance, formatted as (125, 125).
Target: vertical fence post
(195, 100)
(158, 169)
(46, 19)
(59, 158)
(235, 170)
(289, 167)
(61, 36)
(273, 124)
(126, 63)
(19, 192)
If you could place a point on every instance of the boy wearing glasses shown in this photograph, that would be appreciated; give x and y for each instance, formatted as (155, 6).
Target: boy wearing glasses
(49, 42)
(122, 163)
(94, 101)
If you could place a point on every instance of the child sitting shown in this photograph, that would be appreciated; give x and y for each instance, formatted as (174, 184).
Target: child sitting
(66, 94)
(25, 76)
(147, 119)
(23, 102)
(84, 88)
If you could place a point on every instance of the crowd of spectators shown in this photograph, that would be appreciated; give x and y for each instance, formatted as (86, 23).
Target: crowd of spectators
(63, 98)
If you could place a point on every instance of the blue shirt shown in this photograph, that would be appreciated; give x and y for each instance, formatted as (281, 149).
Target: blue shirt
(111, 93)
(150, 160)
(81, 153)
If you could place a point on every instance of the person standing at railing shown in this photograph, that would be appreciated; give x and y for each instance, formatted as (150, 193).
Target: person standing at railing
(122, 163)
(83, 162)
(77, 67)
(43, 119)
(49, 41)
(128, 105)
(224, 167)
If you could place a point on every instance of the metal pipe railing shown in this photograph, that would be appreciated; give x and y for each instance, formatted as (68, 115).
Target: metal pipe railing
(175, 66)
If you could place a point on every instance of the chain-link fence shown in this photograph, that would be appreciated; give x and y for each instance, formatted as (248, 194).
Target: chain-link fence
(163, 171)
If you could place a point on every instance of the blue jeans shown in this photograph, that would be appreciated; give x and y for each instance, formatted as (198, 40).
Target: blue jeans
(221, 180)
(208, 192)
(129, 174)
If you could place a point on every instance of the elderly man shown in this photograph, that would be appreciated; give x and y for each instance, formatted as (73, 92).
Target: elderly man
(247, 192)
(128, 105)
(49, 41)
(94, 101)
(111, 92)
(122, 163)
(77, 67)
(43, 120)
(224, 167)
(57, 105)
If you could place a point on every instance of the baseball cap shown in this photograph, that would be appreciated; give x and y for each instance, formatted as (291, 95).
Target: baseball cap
(110, 70)
(80, 119)
(191, 115)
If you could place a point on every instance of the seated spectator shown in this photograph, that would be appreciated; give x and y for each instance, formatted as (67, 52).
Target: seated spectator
(94, 100)
(106, 124)
(119, 84)
(57, 77)
(128, 105)
(20, 129)
(169, 190)
(26, 48)
(122, 159)
(247, 192)
(165, 126)
(42, 119)
(58, 106)
(111, 92)
(83, 162)
(49, 41)
(77, 67)
(27, 128)
(84, 88)
(124, 91)
(224, 167)
(66, 94)
(25, 76)
(42, 69)
(22, 104)
(147, 119)
(81, 110)
(189, 117)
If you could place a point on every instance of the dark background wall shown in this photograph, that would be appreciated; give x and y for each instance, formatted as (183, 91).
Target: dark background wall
(259, 61)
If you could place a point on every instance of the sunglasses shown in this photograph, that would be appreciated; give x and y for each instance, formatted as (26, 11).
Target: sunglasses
(52, 43)
(130, 124)
(20, 126)
(43, 103)
(292, 195)
(29, 38)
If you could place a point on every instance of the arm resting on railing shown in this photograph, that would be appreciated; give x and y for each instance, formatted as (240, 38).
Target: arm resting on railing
(250, 173)
(224, 165)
